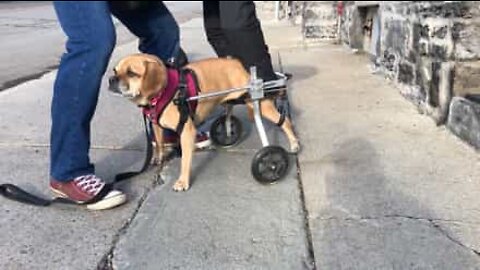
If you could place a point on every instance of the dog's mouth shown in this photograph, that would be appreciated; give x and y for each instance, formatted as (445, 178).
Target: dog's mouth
(119, 88)
(128, 94)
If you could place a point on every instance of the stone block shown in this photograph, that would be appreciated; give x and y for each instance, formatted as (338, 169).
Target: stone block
(435, 79)
(397, 36)
(320, 20)
(440, 32)
(439, 52)
(464, 120)
(445, 9)
(423, 48)
(406, 73)
(425, 31)
(467, 78)
(467, 38)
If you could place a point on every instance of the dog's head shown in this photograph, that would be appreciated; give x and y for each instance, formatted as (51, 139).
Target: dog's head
(139, 77)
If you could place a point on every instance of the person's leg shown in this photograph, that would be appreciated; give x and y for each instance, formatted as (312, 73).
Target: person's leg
(213, 28)
(91, 38)
(156, 28)
(243, 30)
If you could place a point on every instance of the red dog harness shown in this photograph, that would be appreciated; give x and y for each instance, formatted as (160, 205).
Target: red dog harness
(183, 81)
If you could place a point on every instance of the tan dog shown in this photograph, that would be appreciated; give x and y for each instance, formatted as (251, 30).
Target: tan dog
(140, 77)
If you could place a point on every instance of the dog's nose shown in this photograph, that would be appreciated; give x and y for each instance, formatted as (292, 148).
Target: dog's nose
(113, 84)
(113, 80)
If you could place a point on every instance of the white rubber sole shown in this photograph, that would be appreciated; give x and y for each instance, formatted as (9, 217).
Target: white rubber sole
(204, 144)
(113, 199)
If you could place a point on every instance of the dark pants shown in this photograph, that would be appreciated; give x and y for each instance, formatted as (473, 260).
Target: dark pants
(232, 28)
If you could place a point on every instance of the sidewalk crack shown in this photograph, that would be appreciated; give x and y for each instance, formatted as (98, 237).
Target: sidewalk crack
(433, 222)
(359, 218)
(449, 237)
(106, 263)
(310, 260)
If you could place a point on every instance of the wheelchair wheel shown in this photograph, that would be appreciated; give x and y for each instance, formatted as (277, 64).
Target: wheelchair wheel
(218, 131)
(270, 164)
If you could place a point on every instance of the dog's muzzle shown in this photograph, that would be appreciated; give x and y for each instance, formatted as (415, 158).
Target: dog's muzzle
(115, 87)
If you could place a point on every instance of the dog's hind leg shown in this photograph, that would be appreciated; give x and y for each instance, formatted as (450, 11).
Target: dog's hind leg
(270, 112)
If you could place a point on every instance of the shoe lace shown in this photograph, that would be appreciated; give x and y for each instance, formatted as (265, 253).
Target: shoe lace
(90, 183)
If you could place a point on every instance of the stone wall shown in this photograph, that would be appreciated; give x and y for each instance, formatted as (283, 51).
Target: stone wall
(431, 50)
(320, 19)
(423, 43)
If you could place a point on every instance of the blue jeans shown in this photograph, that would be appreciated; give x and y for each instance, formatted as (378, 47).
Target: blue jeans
(91, 39)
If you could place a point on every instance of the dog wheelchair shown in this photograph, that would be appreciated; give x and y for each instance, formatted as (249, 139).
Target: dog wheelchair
(271, 162)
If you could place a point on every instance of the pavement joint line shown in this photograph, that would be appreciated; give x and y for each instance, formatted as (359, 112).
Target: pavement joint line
(106, 263)
(45, 145)
(122, 148)
(306, 223)
(449, 237)
(432, 222)
(311, 263)
(359, 218)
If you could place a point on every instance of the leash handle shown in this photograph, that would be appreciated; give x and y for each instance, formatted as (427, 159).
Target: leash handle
(15, 193)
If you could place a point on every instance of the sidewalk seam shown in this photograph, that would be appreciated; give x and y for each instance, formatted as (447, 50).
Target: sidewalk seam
(359, 218)
(432, 222)
(97, 147)
(106, 263)
(308, 233)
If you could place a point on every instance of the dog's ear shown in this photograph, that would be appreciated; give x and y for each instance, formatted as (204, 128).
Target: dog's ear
(155, 76)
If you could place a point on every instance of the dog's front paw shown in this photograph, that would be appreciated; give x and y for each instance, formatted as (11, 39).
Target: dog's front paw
(295, 147)
(157, 161)
(181, 185)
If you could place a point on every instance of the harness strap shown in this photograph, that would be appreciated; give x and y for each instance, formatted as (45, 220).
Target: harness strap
(284, 109)
(281, 120)
(182, 102)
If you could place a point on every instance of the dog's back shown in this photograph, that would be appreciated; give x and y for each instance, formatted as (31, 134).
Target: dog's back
(216, 74)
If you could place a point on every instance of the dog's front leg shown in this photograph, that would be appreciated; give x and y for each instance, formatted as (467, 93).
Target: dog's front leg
(159, 151)
(187, 142)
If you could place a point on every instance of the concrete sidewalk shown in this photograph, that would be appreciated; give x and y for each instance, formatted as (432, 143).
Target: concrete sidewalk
(378, 185)
(384, 187)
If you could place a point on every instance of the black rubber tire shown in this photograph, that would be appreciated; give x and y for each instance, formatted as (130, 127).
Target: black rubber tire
(218, 131)
(270, 164)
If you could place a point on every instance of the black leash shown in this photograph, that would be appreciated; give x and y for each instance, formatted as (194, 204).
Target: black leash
(148, 155)
(15, 193)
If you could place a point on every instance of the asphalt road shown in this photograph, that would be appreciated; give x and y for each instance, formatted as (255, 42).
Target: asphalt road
(32, 42)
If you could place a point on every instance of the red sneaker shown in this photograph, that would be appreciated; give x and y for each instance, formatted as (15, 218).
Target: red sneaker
(84, 190)
(202, 140)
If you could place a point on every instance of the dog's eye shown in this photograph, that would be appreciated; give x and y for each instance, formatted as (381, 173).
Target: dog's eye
(132, 74)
